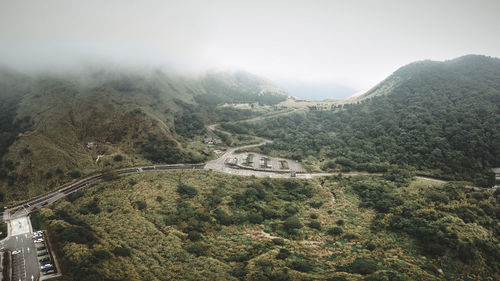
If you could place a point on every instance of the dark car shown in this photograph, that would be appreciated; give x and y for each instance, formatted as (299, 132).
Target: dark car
(45, 259)
(42, 254)
(45, 262)
(41, 248)
(45, 203)
(47, 272)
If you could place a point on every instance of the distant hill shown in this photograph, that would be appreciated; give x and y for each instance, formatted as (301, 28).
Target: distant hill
(458, 74)
(144, 117)
(438, 118)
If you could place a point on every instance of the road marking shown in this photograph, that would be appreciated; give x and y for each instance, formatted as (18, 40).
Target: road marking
(28, 249)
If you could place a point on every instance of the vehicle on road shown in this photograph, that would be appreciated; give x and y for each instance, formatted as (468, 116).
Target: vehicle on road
(42, 254)
(16, 252)
(41, 248)
(45, 203)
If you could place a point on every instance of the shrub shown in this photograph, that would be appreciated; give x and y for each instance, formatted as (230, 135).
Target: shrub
(283, 254)
(102, 254)
(315, 225)
(316, 204)
(77, 234)
(118, 158)
(194, 236)
(122, 252)
(340, 222)
(223, 218)
(75, 174)
(255, 218)
(187, 190)
(313, 216)
(196, 249)
(141, 205)
(74, 196)
(301, 265)
(334, 231)
(278, 241)
(362, 266)
(238, 272)
(292, 223)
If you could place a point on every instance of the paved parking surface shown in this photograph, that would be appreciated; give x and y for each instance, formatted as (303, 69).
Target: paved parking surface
(19, 226)
(25, 264)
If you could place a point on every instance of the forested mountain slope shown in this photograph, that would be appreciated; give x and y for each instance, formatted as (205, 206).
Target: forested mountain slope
(130, 117)
(440, 118)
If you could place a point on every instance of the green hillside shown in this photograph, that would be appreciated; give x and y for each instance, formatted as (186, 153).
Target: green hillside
(201, 225)
(131, 118)
(436, 118)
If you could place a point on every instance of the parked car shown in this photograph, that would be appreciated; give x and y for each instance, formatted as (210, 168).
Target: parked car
(16, 252)
(47, 272)
(45, 262)
(46, 266)
(42, 254)
(41, 248)
(39, 240)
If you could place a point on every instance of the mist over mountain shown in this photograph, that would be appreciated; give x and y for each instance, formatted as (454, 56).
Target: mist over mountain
(316, 90)
(144, 115)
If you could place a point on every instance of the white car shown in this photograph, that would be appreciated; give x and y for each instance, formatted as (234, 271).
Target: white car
(40, 240)
(46, 266)
(16, 252)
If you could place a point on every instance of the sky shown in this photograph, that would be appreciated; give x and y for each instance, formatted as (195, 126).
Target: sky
(355, 44)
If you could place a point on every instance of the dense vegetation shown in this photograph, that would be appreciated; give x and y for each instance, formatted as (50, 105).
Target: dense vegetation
(442, 119)
(202, 225)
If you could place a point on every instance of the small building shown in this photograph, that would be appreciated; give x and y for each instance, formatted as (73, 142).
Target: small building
(497, 172)
(212, 141)
(91, 145)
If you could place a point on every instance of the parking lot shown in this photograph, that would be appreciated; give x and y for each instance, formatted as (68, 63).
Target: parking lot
(31, 257)
(47, 266)
(262, 162)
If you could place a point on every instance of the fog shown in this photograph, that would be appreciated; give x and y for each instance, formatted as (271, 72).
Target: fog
(355, 44)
